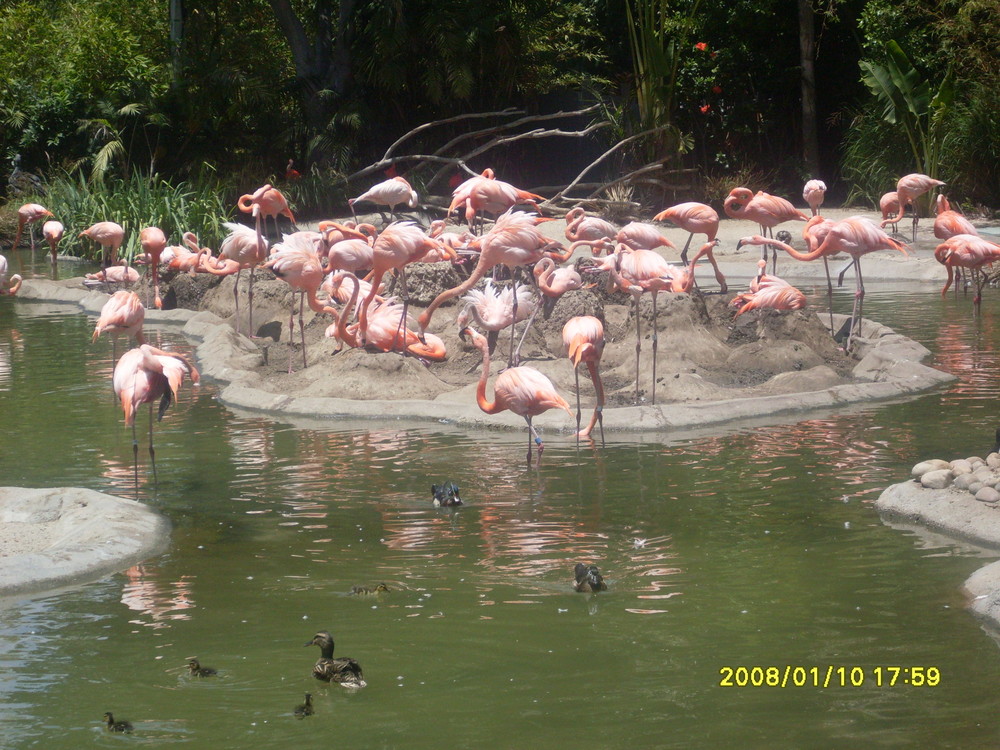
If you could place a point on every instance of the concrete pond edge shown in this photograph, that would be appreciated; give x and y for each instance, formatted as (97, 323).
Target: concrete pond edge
(956, 514)
(58, 536)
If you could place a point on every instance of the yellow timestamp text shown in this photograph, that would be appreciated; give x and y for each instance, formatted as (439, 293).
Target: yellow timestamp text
(828, 676)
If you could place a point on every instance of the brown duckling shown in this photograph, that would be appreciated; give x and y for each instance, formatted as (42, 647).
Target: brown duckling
(196, 670)
(589, 578)
(380, 588)
(305, 709)
(344, 670)
(117, 726)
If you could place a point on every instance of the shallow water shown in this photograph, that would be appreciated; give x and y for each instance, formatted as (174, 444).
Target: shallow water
(754, 547)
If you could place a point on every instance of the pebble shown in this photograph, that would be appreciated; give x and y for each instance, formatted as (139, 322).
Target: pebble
(937, 479)
(961, 466)
(962, 482)
(988, 495)
(975, 486)
(993, 460)
(925, 466)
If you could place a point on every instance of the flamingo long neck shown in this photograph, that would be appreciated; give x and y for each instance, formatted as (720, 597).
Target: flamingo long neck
(478, 272)
(490, 407)
(345, 313)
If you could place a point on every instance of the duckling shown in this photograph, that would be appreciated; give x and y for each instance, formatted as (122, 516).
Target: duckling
(589, 577)
(445, 495)
(196, 670)
(305, 709)
(370, 589)
(344, 670)
(117, 726)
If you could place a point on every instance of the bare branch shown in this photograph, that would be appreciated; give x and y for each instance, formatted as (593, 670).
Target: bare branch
(428, 125)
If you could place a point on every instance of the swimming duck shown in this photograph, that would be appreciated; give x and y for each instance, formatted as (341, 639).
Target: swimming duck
(344, 670)
(445, 495)
(588, 577)
(196, 670)
(369, 589)
(117, 726)
(305, 709)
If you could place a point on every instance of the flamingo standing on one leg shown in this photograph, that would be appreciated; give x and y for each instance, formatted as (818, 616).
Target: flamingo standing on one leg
(967, 251)
(242, 248)
(389, 193)
(813, 193)
(53, 232)
(27, 215)
(142, 376)
(522, 390)
(583, 339)
(153, 243)
(263, 202)
(908, 189)
(122, 313)
(696, 218)
(297, 265)
(763, 208)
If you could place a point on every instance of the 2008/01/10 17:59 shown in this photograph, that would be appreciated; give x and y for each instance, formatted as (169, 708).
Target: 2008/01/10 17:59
(829, 676)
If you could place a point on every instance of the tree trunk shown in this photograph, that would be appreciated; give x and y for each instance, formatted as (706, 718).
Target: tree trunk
(323, 62)
(807, 55)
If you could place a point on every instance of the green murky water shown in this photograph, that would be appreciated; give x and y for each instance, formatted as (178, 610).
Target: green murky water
(755, 547)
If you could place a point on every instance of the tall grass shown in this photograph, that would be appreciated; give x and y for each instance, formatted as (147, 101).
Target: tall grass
(137, 203)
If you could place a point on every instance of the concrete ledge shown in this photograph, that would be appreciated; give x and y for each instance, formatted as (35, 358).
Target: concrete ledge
(58, 536)
(957, 514)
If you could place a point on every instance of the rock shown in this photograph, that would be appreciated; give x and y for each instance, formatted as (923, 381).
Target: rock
(993, 460)
(961, 466)
(937, 479)
(963, 481)
(924, 466)
(975, 486)
(988, 495)
(985, 475)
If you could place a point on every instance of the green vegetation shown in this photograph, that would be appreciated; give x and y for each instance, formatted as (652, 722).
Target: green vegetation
(94, 100)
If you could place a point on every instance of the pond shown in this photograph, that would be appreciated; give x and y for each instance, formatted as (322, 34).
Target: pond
(751, 547)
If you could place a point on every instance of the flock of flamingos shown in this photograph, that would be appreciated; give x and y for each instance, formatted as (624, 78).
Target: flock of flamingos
(330, 258)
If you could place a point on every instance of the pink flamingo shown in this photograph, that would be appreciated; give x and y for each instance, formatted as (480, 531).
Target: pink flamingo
(495, 309)
(188, 257)
(967, 251)
(8, 286)
(696, 218)
(908, 189)
(243, 248)
(112, 275)
(296, 264)
(122, 313)
(771, 292)
(889, 205)
(513, 241)
(456, 241)
(153, 243)
(400, 244)
(948, 223)
(486, 193)
(522, 390)
(142, 376)
(109, 236)
(27, 215)
(856, 236)
(639, 236)
(384, 325)
(813, 193)
(389, 193)
(53, 232)
(554, 282)
(583, 339)
(579, 226)
(263, 202)
(766, 210)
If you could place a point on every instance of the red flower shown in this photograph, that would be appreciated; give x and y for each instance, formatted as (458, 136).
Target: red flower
(716, 89)
(701, 46)
(705, 108)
